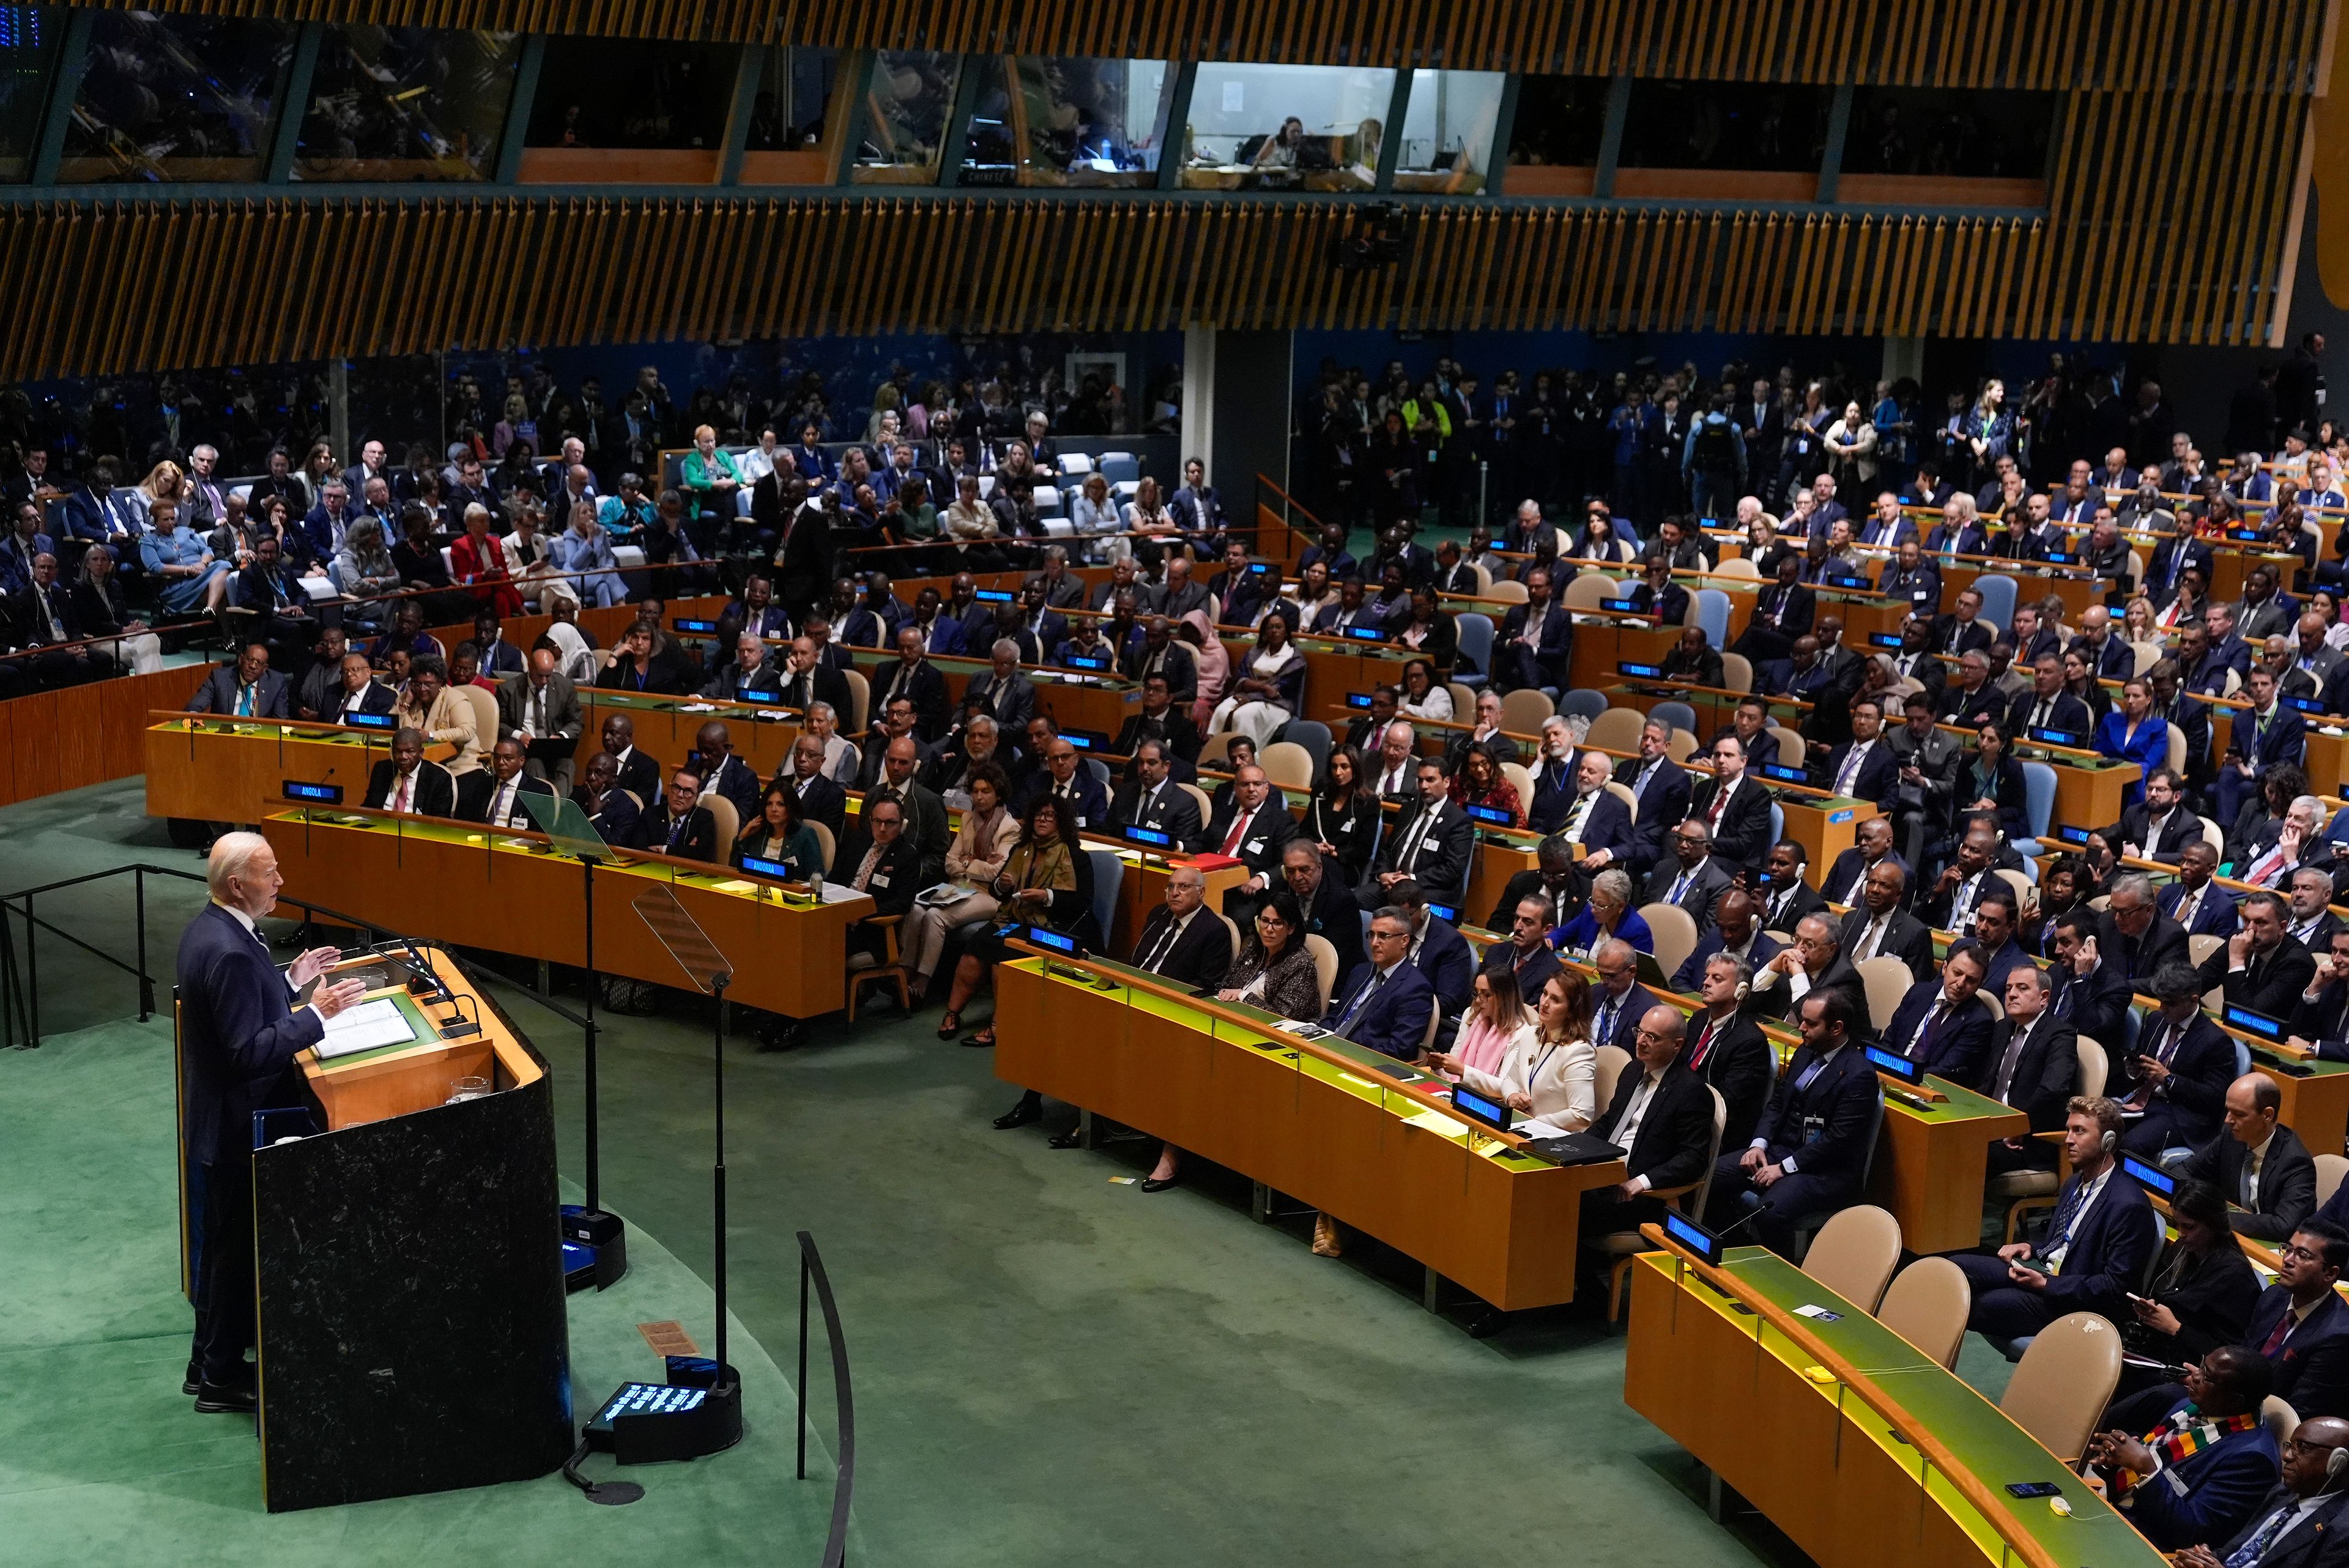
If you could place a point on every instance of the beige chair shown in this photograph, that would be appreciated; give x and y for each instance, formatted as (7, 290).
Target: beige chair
(1215, 752)
(1792, 747)
(1854, 1252)
(1675, 933)
(860, 701)
(2026, 897)
(485, 704)
(2280, 1418)
(1521, 779)
(729, 820)
(1612, 1060)
(2147, 654)
(1506, 591)
(1523, 710)
(1741, 567)
(2330, 1169)
(1434, 1023)
(2234, 683)
(2176, 759)
(2064, 1381)
(1463, 700)
(1483, 579)
(1589, 590)
(1928, 1306)
(1616, 730)
(2212, 837)
(1622, 791)
(1623, 1245)
(1888, 981)
(2024, 1191)
(2200, 945)
(1736, 672)
(825, 842)
(1206, 806)
(890, 971)
(1682, 746)
(1325, 960)
(1288, 764)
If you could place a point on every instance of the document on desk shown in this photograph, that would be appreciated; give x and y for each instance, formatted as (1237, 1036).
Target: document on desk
(839, 893)
(366, 1027)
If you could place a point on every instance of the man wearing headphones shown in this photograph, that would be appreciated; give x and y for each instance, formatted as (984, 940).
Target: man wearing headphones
(2092, 1251)
(2290, 1527)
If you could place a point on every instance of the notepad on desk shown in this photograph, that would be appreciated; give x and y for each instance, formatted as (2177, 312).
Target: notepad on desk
(366, 1027)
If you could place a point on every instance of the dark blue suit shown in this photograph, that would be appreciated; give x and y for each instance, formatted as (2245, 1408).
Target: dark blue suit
(2216, 916)
(2282, 738)
(1450, 966)
(2110, 1246)
(239, 1033)
(1691, 970)
(1516, 664)
(1954, 1048)
(1822, 1115)
(1393, 1020)
(1608, 826)
(2211, 1495)
(1091, 796)
(1878, 774)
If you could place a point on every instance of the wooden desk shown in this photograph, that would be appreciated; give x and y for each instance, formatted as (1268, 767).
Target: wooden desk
(455, 882)
(667, 727)
(1933, 1163)
(1099, 703)
(207, 768)
(1824, 827)
(1498, 1223)
(1334, 669)
(1497, 860)
(1600, 645)
(1143, 889)
(1832, 1473)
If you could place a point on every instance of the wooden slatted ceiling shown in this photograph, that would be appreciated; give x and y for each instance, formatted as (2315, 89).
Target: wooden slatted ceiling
(100, 289)
(2125, 45)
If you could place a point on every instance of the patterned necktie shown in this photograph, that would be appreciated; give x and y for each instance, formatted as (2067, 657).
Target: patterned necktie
(2251, 1551)
(1354, 1010)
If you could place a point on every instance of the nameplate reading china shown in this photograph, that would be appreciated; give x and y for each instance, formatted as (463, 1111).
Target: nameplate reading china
(699, 628)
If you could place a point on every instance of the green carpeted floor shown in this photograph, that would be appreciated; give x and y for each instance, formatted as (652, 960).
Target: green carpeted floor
(1049, 1366)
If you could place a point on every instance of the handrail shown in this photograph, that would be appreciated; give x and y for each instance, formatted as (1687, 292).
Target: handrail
(1890, 1410)
(1136, 980)
(844, 1485)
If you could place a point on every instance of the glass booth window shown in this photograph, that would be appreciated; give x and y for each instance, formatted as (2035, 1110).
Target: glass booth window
(1560, 122)
(794, 95)
(1726, 125)
(29, 37)
(1949, 134)
(902, 125)
(633, 93)
(1447, 131)
(406, 103)
(1285, 127)
(167, 98)
(1051, 120)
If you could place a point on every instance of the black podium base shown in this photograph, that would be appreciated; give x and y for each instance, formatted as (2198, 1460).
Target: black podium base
(594, 1248)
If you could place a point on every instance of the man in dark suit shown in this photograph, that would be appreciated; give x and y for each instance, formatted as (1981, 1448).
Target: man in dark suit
(1328, 904)
(726, 774)
(1961, 631)
(1809, 1151)
(45, 619)
(1878, 927)
(1441, 954)
(1619, 1002)
(2144, 939)
(915, 678)
(405, 782)
(1065, 775)
(1594, 816)
(498, 802)
(1161, 718)
(2047, 706)
(1158, 653)
(1154, 801)
(878, 858)
(1783, 612)
(2093, 1251)
(2267, 734)
(1694, 879)
(638, 772)
(1386, 1004)
(2088, 990)
(610, 810)
(240, 1031)
(2298, 1524)
(680, 824)
(1995, 915)
(1526, 959)
(1537, 640)
(2032, 1064)
(1736, 808)
(1660, 1119)
(2261, 1168)
(2193, 902)
(1253, 826)
(2171, 558)
(1816, 962)
(1736, 931)
(1941, 1024)
(1661, 788)
(2307, 920)
(2178, 1077)
(2261, 967)
(2160, 826)
(2204, 1491)
(249, 689)
(1005, 694)
(2320, 1021)
(1432, 844)
(821, 798)
(806, 680)
(541, 703)
(1728, 1049)
(1863, 767)
(2309, 1358)
(1964, 882)
(1786, 896)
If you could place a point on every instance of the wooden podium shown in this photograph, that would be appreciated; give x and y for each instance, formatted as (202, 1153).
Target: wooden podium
(407, 1257)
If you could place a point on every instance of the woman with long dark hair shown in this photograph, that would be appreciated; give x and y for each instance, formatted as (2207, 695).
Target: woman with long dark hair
(1039, 885)
(1342, 819)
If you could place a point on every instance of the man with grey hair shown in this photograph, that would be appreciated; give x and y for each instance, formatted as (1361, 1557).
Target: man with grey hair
(1002, 692)
(240, 1028)
(1386, 1004)
(2272, 852)
(2262, 967)
(949, 771)
(1660, 789)
(1621, 1002)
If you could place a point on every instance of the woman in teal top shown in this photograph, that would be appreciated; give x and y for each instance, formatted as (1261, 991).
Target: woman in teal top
(780, 833)
(194, 578)
(712, 476)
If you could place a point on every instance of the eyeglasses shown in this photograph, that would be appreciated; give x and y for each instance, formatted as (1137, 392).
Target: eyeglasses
(2293, 1250)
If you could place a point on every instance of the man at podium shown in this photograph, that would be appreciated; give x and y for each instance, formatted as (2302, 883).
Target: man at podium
(239, 1032)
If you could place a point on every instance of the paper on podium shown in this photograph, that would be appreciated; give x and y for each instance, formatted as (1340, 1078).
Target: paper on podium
(363, 1028)
(560, 818)
(1439, 1124)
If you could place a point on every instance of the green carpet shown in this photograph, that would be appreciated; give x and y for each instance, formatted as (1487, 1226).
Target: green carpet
(1047, 1365)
